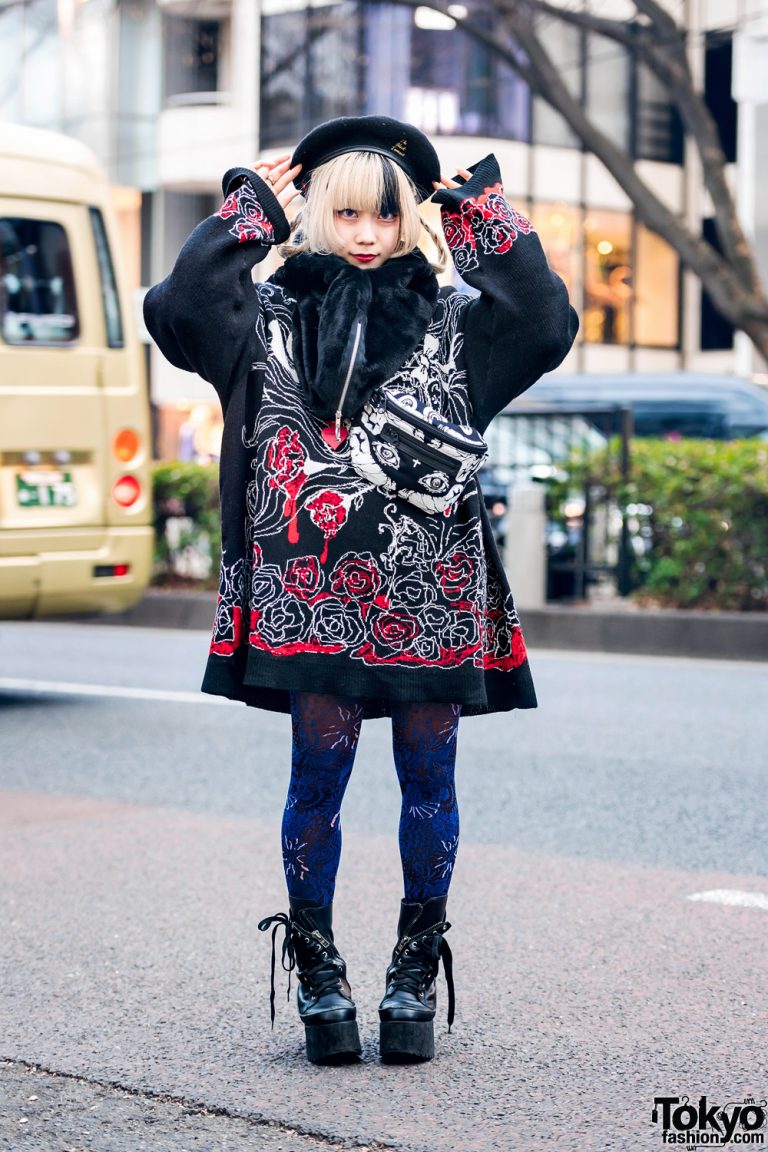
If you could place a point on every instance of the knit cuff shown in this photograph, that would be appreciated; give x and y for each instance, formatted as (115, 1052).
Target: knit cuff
(486, 177)
(266, 220)
(478, 223)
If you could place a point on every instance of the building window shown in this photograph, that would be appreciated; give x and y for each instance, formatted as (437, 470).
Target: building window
(192, 56)
(559, 229)
(607, 277)
(310, 68)
(716, 332)
(717, 89)
(283, 68)
(656, 320)
(320, 61)
(631, 300)
(349, 59)
(608, 88)
(658, 128)
(458, 86)
(182, 212)
(564, 45)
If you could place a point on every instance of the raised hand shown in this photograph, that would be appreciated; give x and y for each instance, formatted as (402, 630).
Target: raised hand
(279, 176)
(443, 182)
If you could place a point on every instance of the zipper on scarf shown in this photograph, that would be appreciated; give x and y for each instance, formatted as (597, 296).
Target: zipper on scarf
(350, 370)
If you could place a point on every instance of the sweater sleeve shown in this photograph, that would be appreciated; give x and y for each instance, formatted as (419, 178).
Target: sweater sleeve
(521, 325)
(203, 315)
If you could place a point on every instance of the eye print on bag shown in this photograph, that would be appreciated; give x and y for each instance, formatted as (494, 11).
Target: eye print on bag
(386, 454)
(435, 482)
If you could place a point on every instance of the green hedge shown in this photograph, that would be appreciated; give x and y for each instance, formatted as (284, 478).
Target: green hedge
(187, 524)
(702, 503)
(708, 521)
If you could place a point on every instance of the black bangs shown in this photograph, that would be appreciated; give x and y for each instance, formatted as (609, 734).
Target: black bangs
(391, 201)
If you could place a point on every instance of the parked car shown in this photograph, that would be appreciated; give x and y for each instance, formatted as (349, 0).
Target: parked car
(529, 451)
(672, 405)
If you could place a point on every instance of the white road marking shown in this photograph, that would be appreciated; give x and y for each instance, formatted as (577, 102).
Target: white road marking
(733, 897)
(62, 688)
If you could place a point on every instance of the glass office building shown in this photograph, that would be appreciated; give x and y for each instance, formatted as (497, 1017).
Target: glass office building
(170, 93)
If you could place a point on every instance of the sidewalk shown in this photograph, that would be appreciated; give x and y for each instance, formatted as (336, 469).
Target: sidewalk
(616, 627)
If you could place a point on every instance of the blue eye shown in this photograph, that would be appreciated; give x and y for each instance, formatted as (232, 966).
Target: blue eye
(388, 216)
(347, 213)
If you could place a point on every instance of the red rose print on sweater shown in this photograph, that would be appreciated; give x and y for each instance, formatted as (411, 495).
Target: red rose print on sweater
(355, 577)
(302, 576)
(228, 629)
(328, 513)
(395, 629)
(250, 220)
(459, 238)
(455, 574)
(519, 653)
(486, 221)
(229, 207)
(286, 460)
(504, 648)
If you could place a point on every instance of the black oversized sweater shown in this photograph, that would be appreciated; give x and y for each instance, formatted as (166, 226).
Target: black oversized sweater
(327, 584)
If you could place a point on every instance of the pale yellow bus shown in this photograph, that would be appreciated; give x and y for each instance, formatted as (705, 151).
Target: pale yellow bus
(75, 449)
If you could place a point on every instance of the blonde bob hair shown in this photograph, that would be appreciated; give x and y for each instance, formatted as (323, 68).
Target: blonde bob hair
(366, 182)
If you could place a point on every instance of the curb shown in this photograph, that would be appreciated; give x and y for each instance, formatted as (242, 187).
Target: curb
(637, 631)
(649, 632)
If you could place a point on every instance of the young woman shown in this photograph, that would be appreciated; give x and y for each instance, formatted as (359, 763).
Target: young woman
(340, 599)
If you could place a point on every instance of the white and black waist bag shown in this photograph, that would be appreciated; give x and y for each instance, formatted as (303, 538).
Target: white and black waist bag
(407, 449)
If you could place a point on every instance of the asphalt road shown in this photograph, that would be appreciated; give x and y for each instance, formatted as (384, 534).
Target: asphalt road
(139, 847)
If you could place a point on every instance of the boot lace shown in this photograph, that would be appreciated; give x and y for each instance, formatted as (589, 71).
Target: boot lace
(320, 977)
(418, 961)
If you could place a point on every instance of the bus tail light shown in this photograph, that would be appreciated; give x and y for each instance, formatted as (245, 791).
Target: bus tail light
(126, 491)
(100, 570)
(126, 445)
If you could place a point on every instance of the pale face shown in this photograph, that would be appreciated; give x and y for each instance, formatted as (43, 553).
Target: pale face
(368, 238)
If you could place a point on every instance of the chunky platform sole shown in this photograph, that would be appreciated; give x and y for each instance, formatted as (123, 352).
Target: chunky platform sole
(406, 1041)
(333, 1043)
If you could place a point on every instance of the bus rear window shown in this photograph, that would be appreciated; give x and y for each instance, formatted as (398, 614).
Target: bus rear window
(112, 317)
(37, 285)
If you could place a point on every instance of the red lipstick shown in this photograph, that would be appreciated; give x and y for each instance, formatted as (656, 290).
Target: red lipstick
(363, 258)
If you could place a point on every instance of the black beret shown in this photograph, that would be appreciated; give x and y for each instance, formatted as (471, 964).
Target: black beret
(403, 143)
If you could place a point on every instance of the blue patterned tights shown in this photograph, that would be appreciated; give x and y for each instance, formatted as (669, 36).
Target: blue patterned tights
(326, 730)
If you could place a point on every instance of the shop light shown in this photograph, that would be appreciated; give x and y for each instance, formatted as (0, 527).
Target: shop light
(436, 21)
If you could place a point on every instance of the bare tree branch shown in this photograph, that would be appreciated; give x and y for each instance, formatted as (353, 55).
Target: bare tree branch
(658, 16)
(663, 50)
(731, 279)
(616, 30)
(317, 29)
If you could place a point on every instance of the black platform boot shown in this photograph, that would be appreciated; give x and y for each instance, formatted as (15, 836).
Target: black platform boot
(407, 1012)
(324, 997)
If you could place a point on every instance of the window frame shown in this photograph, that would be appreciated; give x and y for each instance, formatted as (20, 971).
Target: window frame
(76, 313)
(107, 280)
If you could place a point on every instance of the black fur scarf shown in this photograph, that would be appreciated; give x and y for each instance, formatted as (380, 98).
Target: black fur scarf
(394, 302)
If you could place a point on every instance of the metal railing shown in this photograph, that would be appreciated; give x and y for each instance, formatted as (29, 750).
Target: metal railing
(581, 454)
